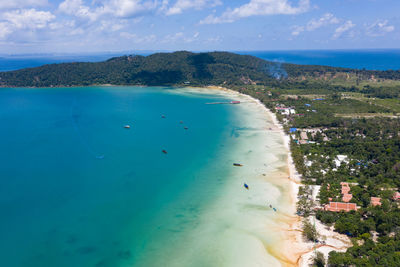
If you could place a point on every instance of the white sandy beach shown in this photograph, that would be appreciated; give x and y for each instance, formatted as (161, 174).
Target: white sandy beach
(293, 250)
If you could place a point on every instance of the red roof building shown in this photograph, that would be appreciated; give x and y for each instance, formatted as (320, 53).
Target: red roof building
(347, 197)
(345, 188)
(396, 196)
(376, 201)
(340, 206)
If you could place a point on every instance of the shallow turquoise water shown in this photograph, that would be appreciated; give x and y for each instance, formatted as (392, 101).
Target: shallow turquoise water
(77, 189)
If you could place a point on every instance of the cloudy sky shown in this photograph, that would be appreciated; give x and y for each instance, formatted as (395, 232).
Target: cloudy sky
(68, 26)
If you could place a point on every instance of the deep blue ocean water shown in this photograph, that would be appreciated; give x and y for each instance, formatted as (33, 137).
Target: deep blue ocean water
(78, 189)
(359, 59)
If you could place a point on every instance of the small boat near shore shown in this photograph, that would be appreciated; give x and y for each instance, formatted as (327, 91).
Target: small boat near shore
(237, 164)
(246, 186)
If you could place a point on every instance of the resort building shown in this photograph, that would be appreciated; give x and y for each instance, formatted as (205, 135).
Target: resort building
(340, 159)
(376, 201)
(303, 135)
(285, 111)
(347, 197)
(345, 188)
(396, 196)
(340, 206)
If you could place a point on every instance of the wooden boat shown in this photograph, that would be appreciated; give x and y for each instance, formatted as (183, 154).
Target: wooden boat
(164, 151)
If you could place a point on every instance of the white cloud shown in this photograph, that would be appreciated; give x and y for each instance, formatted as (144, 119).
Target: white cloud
(314, 24)
(5, 29)
(182, 5)
(348, 25)
(180, 37)
(137, 39)
(296, 30)
(379, 28)
(5, 4)
(28, 18)
(78, 9)
(259, 8)
(192, 38)
(326, 19)
(129, 8)
(111, 25)
(113, 8)
(172, 38)
(22, 19)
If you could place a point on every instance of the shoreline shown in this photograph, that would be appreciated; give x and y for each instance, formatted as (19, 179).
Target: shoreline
(294, 250)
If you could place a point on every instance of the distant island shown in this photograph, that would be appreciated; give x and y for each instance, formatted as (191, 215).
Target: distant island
(183, 68)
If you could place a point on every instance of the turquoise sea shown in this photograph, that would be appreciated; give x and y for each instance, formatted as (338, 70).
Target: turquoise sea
(78, 189)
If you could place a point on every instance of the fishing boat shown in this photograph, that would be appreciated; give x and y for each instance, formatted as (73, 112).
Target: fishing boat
(127, 126)
(185, 128)
(237, 164)
(164, 151)
(246, 186)
(163, 116)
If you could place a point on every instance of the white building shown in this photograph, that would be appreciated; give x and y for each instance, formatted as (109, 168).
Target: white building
(340, 159)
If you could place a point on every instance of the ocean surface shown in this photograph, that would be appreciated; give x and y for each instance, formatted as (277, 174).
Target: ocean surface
(388, 59)
(78, 189)
(356, 59)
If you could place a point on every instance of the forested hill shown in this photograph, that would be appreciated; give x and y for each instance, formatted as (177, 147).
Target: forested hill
(217, 68)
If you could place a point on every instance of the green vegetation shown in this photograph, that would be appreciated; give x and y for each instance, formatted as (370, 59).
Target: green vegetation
(319, 260)
(333, 126)
(309, 231)
(177, 68)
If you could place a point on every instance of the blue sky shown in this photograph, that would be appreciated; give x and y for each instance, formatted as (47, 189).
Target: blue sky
(71, 26)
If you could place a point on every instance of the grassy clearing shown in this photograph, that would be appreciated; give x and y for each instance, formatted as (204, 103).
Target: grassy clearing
(390, 103)
(366, 115)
